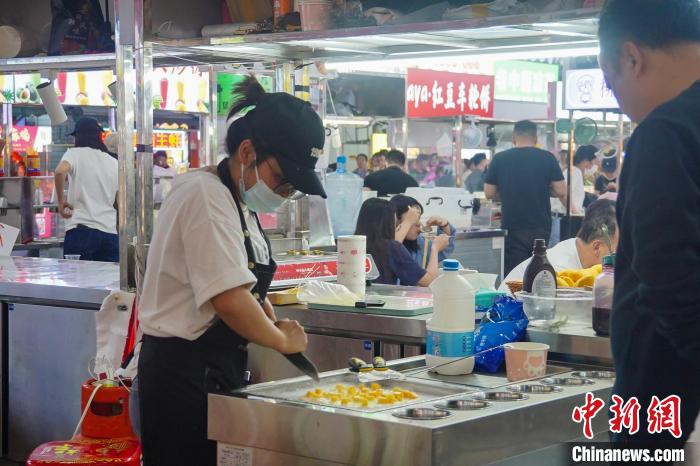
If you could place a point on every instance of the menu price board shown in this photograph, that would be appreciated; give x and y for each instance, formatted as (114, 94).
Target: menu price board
(432, 94)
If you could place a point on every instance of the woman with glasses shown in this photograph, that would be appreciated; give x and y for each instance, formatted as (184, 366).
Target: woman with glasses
(209, 269)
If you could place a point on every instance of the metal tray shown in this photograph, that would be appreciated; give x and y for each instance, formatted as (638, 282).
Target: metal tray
(534, 388)
(499, 396)
(601, 375)
(295, 391)
(421, 414)
(479, 379)
(462, 405)
(570, 381)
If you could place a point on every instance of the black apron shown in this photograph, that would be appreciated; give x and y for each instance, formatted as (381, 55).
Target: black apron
(175, 375)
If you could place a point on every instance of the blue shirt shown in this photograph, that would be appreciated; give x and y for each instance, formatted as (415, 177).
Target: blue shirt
(400, 268)
(418, 254)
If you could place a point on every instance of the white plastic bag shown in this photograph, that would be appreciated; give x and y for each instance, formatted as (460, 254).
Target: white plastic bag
(112, 325)
(327, 293)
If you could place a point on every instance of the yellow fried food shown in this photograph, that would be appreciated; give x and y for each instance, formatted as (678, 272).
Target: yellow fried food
(564, 282)
(375, 386)
(586, 280)
(573, 275)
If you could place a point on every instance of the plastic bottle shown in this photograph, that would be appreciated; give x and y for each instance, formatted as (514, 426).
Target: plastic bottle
(344, 191)
(450, 331)
(540, 279)
(603, 288)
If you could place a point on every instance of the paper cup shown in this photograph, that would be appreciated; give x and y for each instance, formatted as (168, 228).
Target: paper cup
(525, 360)
(352, 251)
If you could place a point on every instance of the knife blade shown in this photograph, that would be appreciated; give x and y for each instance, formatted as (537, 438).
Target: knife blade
(304, 364)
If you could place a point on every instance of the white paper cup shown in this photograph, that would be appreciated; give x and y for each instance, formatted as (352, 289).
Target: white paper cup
(352, 252)
(525, 360)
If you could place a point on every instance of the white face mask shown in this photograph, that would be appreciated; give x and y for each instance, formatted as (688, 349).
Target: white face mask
(259, 198)
(591, 171)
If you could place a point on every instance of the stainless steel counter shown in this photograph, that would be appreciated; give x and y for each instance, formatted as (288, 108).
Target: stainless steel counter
(277, 431)
(57, 282)
(582, 343)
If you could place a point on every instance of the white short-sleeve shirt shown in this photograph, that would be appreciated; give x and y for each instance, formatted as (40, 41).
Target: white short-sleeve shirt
(197, 252)
(92, 189)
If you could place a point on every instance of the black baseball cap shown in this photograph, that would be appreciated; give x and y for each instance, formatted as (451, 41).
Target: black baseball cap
(291, 130)
(86, 125)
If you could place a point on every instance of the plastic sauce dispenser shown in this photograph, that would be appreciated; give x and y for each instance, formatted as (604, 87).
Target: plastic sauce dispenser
(450, 332)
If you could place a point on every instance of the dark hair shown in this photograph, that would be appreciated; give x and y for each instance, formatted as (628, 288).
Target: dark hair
(250, 92)
(478, 158)
(396, 157)
(361, 156)
(159, 153)
(585, 154)
(650, 23)
(92, 140)
(401, 204)
(599, 213)
(525, 128)
(467, 163)
(377, 221)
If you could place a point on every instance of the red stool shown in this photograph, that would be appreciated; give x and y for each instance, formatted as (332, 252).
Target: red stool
(107, 437)
(88, 452)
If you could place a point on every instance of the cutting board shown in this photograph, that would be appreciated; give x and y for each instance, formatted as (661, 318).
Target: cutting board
(400, 306)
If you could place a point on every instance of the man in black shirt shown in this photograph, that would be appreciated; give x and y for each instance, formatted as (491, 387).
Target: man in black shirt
(650, 54)
(393, 179)
(523, 178)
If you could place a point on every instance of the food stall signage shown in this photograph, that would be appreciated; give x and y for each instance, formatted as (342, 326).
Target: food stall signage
(523, 81)
(167, 140)
(431, 94)
(586, 90)
(225, 82)
(23, 138)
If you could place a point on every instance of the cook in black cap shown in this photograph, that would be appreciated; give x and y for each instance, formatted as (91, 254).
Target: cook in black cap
(209, 269)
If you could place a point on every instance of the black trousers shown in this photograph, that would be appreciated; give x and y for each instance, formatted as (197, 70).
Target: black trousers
(519, 246)
(173, 405)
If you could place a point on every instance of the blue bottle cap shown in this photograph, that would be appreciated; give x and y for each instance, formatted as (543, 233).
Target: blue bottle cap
(341, 159)
(451, 265)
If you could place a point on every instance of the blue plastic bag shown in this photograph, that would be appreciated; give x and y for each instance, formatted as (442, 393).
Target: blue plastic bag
(504, 323)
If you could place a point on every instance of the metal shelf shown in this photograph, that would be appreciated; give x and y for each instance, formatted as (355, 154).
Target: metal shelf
(431, 39)
(419, 40)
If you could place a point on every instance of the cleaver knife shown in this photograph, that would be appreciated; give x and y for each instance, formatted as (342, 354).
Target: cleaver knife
(304, 364)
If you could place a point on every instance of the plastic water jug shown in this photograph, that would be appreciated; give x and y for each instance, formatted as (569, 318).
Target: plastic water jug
(344, 191)
(450, 332)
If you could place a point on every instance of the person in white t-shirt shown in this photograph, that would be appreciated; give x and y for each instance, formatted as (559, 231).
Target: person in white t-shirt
(209, 269)
(89, 209)
(583, 165)
(585, 250)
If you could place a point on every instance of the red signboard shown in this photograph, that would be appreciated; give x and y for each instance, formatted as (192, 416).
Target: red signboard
(23, 138)
(432, 94)
(310, 270)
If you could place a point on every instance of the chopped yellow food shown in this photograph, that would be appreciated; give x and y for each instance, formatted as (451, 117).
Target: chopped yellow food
(361, 395)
